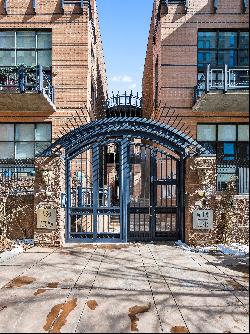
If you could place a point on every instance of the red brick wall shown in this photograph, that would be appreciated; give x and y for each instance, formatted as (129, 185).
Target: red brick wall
(176, 49)
(73, 69)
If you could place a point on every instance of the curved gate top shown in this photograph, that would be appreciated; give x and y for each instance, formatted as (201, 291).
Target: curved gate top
(124, 180)
(126, 127)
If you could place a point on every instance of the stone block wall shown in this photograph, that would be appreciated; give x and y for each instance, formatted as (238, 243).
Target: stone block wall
(200, 193)
(49, 186)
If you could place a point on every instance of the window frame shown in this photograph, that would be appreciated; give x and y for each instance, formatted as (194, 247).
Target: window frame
(36, 49)
(217, 49)
(238, 162)
(33, 142)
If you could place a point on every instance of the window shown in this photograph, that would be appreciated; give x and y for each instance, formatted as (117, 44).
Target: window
(223, 47)
(26, 47)
(230, 143)
(23, 141)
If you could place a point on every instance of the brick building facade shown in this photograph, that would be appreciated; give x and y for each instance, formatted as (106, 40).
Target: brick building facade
(64, 37)
(196, 72)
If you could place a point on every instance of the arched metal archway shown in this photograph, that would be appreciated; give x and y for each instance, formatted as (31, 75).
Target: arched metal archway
(125, 180)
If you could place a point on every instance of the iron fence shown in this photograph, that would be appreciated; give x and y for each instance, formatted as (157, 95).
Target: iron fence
(225, 79)
(27, 79)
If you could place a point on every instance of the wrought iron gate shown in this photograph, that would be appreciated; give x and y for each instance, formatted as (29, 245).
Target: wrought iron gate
(121, 190)
(124, 180)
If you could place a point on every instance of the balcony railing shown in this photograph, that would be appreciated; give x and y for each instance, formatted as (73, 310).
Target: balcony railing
(229, 172)
(26, 79)
(225, 79)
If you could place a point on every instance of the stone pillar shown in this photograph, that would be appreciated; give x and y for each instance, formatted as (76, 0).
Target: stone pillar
(200, 194)
(49, 215)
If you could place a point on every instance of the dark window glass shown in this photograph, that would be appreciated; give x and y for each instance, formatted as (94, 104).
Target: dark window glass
(227, 40)
(244, 40)
(207, 40)
(243, 58)
(228, 57)
(207, 57)
(223, 47)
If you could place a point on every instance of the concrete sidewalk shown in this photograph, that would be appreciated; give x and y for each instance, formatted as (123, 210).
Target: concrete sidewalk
(122, 289)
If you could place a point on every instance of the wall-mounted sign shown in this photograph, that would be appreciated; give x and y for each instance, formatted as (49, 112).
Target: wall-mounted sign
(46, 218)
(203, 219)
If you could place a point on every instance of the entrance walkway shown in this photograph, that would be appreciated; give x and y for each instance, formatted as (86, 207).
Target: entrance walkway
(122, 289)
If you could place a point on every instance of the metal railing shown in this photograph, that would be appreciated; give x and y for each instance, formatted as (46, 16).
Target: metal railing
(16, 177)
(27, 79)
(228, 172)
(124, 100)
(226, 79)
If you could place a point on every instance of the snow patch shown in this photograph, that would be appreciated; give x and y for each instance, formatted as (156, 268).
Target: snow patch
(6, 255)
(234, 249)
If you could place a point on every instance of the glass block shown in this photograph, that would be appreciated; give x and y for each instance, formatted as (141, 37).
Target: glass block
(227, 132)
(43, 132)
(27, 58)
(7, 58)
(227, 40)
(243, 133)
(41, 146)
(7, 150)
(25, 132)
(7, 39)
(207, 40)
(26, 39)
(244, 40)
(45, 58)
(6, 132)
(228, 57)
(206, 132)
(24, 150)
(44, 40)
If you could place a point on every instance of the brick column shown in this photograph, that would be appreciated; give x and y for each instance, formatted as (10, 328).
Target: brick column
(200, 192)
(49, 215)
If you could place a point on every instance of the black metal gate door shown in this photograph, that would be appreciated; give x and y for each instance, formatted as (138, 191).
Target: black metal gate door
(123, 190)
(154, 212)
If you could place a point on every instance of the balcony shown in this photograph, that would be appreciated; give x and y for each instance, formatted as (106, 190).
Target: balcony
(124, 105)
(223, 89)
(26, 89)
